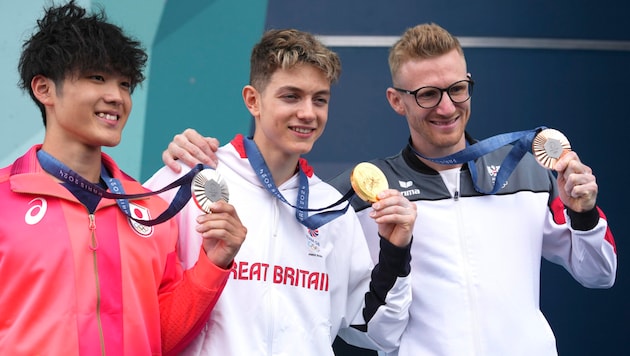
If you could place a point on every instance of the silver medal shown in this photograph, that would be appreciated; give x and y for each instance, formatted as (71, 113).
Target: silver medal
(208, 187)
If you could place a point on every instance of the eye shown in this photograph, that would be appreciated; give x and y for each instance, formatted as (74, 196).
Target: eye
(321, 101)
(290, 97)
(458, 88)
(459, 91)
(428, 93)
(97, 77)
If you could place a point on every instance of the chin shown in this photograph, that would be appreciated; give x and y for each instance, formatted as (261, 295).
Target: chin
(304, 149)
(111, 143)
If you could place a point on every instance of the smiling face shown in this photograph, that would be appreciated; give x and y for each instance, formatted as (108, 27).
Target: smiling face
(290, 113)
(438, 131)
(85, 111)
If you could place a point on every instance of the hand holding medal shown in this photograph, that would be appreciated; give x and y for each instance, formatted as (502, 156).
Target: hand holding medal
(578, 188)
(394, 225)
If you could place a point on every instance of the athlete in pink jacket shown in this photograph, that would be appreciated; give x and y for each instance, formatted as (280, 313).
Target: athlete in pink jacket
(78, 274)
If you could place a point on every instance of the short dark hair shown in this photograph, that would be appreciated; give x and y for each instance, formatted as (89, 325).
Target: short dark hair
(69, 41)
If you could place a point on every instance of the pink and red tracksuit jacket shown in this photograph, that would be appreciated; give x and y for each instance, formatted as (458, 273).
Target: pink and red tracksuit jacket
(75, 283)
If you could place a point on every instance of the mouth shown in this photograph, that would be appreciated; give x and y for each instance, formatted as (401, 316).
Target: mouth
(445, 122)
(108, 117)
(302, 130)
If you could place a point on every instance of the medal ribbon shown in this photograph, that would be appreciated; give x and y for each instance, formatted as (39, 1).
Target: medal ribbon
(61, 171)
(301, 213)
(523, 143)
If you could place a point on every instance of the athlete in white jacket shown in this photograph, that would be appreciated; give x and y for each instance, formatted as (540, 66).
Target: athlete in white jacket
(476, 256)
(294, 288)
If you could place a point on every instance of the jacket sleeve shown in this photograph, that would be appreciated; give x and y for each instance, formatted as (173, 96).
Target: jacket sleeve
(582, 243)
(186, 300)
(385, 294)
(186, 297)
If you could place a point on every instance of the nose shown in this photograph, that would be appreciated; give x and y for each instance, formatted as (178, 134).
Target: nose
(446, 106)
(307, 111)
(114, 94)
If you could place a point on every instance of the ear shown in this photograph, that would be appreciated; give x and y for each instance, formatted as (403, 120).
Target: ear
(395, 101)
(43, 89)
(251, 97)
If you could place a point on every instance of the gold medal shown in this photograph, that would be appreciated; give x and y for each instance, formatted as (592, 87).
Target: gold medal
(367, 181)
(548, 146)
(208, 186)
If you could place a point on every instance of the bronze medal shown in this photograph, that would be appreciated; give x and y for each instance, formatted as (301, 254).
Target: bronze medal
(548, 146)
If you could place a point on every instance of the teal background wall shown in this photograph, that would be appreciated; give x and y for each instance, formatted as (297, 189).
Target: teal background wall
(198, 63)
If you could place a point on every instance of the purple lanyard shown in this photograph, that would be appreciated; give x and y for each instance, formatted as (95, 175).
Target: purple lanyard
(301, 210)
(54, 167)
(523, 145)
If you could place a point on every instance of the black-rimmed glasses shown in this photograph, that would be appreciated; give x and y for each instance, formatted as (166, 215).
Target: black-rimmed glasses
(429, 97)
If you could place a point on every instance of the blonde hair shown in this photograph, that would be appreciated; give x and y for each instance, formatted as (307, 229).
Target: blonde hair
(420, 42)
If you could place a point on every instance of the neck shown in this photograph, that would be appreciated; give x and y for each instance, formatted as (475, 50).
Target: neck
(436, 152)
(85, 162)
(281, 168)
(436, 166)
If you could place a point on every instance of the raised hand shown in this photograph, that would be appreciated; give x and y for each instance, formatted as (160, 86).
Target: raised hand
(191, 148)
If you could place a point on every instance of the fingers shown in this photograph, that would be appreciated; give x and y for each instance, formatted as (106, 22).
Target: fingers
(391, 202)
(170, 160)
(191, 148)
(222, 232)
(200, 147)
(395, 215)
(222, 222)
(580, 189)
(577, 184)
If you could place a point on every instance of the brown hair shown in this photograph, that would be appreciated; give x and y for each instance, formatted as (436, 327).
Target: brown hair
(283, 49)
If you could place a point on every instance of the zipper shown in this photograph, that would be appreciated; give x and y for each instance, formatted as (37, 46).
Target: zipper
(94, 247)
(92, 227)
(271, 311)
(474, 312)
(468, 273)
(457, 187)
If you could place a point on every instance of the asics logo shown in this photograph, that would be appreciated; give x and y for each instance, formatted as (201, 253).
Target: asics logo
(36, 212)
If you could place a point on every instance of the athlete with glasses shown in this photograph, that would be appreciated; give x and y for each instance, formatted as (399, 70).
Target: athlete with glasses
(476, 257)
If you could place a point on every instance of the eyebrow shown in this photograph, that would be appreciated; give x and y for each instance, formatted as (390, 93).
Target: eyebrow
(298, 89)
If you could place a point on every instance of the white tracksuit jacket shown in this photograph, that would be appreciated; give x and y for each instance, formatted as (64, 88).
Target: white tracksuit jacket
(476, 258)
(293, 290)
